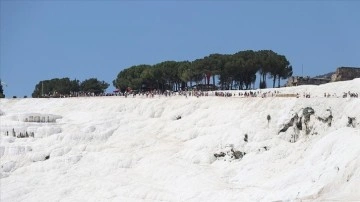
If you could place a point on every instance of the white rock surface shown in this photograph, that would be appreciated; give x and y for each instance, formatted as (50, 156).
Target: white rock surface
(134, 149)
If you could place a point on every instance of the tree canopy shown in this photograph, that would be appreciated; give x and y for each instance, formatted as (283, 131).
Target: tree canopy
(93, 85)
(64, 86)
(2, 95)
(233, 71)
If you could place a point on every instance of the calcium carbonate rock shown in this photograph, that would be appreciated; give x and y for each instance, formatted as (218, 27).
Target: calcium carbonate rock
(8, 166)
(229, 153)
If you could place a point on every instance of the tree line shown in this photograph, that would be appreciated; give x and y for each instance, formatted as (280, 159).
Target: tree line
(233, 71)
(223, 71)
(64, 86)
(2, 95)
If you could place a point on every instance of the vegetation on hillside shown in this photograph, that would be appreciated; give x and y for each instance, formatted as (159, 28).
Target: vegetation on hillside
(236, 71)
(2, 95)
(231, 71)
(64, 86)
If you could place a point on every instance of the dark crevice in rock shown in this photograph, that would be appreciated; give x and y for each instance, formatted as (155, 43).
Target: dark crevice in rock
(299, 124)
(233, 154)
(302, 123)
(290, 123)
(218, 155)
(265, 148)
(351, 122)
(237, 154)
(328, 119)
(307, 112)
(20, 134)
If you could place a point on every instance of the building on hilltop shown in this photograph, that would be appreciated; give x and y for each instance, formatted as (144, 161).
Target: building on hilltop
(341, 74)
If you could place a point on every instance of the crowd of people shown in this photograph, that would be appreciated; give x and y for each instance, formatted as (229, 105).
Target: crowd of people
(344, 95)
(199, 93)
(75, 94)
(166, 93)
(241, 94)
(350, 94)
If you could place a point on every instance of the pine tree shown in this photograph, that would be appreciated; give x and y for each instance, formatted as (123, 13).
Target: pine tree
(1, 90)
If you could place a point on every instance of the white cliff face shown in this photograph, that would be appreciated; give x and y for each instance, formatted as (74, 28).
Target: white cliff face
(138, 149)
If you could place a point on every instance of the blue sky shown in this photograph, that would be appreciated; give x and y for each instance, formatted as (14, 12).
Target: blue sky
(41, 40)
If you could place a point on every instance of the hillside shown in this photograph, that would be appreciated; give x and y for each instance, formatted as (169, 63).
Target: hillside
(328, 75)
(163, 149)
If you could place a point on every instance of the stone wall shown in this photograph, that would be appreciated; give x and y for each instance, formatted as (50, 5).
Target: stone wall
(341, 74)
(346, 73)
(298, 80)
